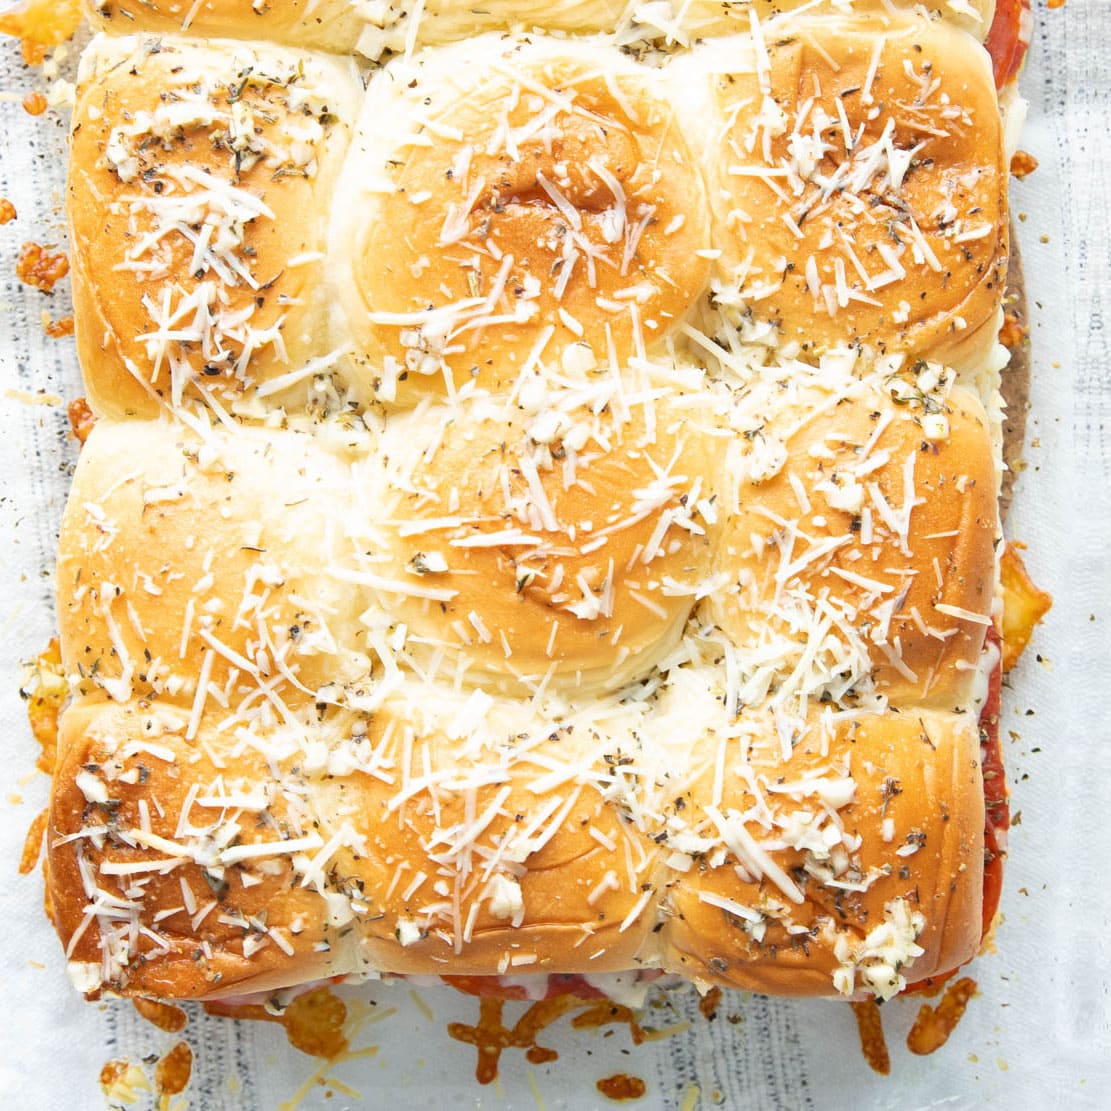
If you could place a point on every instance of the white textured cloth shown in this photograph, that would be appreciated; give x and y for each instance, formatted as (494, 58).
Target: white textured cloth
(1038, 1033)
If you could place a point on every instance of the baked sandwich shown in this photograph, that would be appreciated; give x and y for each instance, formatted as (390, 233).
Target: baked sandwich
(541, 518)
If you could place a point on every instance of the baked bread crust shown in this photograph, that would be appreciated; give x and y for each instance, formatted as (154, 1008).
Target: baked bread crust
(905, 769)
(589, 210)
(858, 184)
(914, 532)
(198, 188)
(469, 572)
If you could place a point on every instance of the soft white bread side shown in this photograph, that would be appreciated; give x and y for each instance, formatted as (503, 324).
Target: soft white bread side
(379, 26)
(199, 185)
(669, 24)
(311, 24)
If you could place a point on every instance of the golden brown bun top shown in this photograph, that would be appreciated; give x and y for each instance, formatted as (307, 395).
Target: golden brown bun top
(198, 189)
(864, 876)
(524, 200)
(860, 195)
(521, 200)
(133, 798)
(452, 813)
(496, 846)
(548, 188)
(179, 558)
(546, 541)
(419, 842)
(866, 527)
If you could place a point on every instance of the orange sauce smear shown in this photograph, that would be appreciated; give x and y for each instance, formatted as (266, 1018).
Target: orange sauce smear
(39, 268)
(163, 1015)
(872, 1042)
(1013, 334)
(41, 24)
(929, 1033)
(621, 1087)
(1024, 605)
(45, 694)
(313, 1022)
(933, 1025)
(490, 1035)
(708, 1004)
(112, 1071)
(81, 419)
(604, 1012)
(32, 844)
(172, 1073)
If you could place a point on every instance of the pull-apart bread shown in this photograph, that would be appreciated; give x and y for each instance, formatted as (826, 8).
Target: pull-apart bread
(542, 512)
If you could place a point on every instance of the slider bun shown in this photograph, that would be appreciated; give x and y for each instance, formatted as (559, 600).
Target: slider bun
(491, 855)
(921, 771)
(577, 558)
(313, 24)
(199, 184)
(172, 546)
(875, 598)
(124, 768)
(899, 242)
(506, 199)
